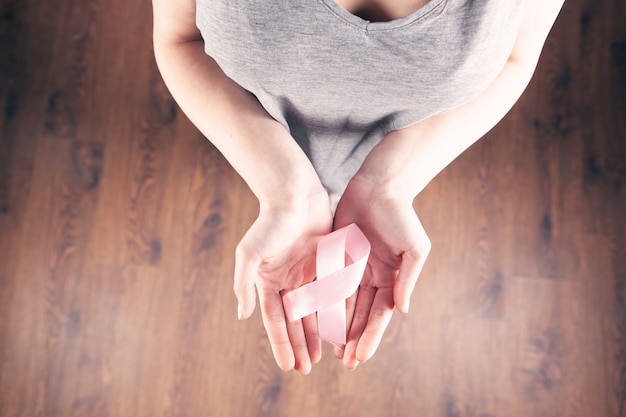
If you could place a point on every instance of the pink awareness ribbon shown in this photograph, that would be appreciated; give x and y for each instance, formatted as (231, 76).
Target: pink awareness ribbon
(335, 282)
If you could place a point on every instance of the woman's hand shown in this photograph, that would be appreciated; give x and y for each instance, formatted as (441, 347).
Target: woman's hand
(277, 254)
(399, 249)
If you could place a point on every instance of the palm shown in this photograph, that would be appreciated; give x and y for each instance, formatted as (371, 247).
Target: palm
(399, 246)
(277, 254)
(287, 251)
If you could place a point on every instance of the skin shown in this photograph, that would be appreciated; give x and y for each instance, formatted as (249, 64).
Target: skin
(380, 11)
(278, 251)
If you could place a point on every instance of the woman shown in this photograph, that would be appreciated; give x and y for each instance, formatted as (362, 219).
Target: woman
(362, 100)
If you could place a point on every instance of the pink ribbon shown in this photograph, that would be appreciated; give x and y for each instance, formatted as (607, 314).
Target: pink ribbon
(335, 282)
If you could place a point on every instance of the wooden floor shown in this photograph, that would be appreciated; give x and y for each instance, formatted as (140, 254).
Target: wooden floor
(118, 224)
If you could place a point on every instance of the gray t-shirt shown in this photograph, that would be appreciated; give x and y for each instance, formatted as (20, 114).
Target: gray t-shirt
(340, 83)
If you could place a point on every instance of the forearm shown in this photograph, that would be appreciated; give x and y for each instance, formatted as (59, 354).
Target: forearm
(258, 147)
(408, 159)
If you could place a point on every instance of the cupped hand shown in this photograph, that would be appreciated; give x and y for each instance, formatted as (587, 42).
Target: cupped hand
(399, 249)
(277, 254)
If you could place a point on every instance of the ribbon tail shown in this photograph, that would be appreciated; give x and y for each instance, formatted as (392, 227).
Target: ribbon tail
(331, 323)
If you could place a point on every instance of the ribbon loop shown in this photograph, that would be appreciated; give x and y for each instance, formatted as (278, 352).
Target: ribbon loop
(334, 284)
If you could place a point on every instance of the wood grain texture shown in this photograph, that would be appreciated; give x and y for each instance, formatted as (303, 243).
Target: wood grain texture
(118, 224)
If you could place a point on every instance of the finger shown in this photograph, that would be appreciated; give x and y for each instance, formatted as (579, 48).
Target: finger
(313, 341)
(338, 351)
(379, 318)
(365, 297)
(246, 269)
(295, 330)
(276, 327)
(413, 261)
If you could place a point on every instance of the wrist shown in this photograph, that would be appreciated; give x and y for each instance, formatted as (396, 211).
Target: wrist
(405, 161)
(274, 167)
(375, 188)
(386, 182)
(291, 195)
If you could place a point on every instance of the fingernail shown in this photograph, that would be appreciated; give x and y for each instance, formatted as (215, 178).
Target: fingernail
(239, 312)
(405, 310)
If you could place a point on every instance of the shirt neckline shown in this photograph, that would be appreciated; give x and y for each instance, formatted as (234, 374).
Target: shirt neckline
(369, 26)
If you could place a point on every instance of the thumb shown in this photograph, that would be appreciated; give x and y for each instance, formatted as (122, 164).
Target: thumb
(246, 267)
(413, 261)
